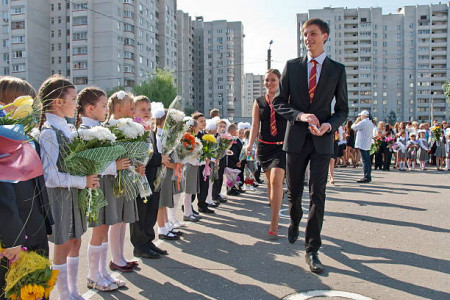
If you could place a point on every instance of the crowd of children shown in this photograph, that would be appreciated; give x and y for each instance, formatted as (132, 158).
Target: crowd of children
(59, 102)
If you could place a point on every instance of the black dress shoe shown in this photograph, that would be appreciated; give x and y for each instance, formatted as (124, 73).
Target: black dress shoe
(292, 233)
(240, 190)
(205, 210)
(194, 212)
(221, 200)
(146, 253)
(258, 180)
(233, 192)
(312, 259)
(363, 181)
(156, 249)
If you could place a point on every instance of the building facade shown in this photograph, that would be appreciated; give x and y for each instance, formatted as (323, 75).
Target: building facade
(253, 88)
(185, 66)
(219, 71)
(396, 64)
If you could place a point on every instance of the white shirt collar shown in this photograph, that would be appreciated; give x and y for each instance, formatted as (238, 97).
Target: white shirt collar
(319, 58)
(89, 122)
(59, 123)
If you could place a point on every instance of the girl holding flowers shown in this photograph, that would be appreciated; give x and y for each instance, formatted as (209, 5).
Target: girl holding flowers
(92, 109)
(423, 149)
(121, 105)
(58, 98)
(24, 204)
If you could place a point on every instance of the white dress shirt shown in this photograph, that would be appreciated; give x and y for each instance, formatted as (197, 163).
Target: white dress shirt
(364, 130)
(111, 168)
(319, 59)
(50, 153)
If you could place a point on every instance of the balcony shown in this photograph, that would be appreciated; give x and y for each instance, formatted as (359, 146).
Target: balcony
(440, 17)
(439, 35)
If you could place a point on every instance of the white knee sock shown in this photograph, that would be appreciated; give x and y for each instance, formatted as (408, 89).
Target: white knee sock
(123, 230)
(209, 196)
(93, 254)
(114, 237)
(103, 257)
(72, 275)
(447, 167)
(62, 283)
(171, 212)
(187, 202)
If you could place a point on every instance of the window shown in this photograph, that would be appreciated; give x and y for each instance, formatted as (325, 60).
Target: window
(18, 53)
(80, 6)
(128, 41)
(128, 55)
(17, 10)
(80, 20)
(128, 27)
(6, 43)
(77, 36)
(6, 57)
(79, 65)
(128, 69)
(79, 50)
(5, 29)
(18, 68)
(80, 80)
(18, 25)
(128, 14)
(18, 39)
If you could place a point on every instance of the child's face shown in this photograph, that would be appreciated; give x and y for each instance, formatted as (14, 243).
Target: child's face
(99, 110)
(221, 127)
(241, 134)
(68, 105)
(201, 122)
(128, 109)
(413, 137)
(143, 110)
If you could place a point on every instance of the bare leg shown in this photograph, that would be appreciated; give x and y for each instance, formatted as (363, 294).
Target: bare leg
(276, 196)
(269, 187)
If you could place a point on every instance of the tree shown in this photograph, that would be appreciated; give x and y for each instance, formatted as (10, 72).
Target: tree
(113, 90)
(160, 88)
(391, 118)
(446, 88)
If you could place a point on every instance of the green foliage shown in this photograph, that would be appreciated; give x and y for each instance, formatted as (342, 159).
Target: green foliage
(446, 88)
(391, 118)
(160, 88)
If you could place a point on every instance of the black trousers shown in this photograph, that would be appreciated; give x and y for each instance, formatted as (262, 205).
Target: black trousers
(295, 177)
(142, 232)
(217, 185)
(204, 187)
(387, 159)
(379, 160)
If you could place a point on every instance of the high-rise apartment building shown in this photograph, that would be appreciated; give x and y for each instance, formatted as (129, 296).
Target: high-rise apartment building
(219, 58)
(106, 43)
(25, 50)
(395, 63)
(253, 88)
(185, 66)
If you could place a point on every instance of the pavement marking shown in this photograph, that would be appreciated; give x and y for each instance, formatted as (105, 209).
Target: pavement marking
(89, 294)
(324, 293)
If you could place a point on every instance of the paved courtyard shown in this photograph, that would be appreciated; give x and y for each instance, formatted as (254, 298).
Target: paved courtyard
(386, 240)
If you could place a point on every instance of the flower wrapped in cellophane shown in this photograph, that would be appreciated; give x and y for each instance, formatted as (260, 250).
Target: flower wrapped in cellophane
(89, 153)
(209, 150)
(133, 137)
(188, 150)
(232, 176)
(224, 144)
(22, 111)
(29, 277)
(173, 130)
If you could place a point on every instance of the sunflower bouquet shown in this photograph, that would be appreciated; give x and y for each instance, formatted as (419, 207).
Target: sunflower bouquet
(436, 132)
(30, 277)
(89, 153)
(134, 139)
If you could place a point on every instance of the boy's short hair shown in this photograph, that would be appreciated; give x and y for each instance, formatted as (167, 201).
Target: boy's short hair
(323, 26)
(232, 127)
(197, 115)
(214, 113)
(141, 98)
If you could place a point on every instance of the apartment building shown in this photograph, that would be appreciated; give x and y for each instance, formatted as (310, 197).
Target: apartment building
(25, 51)
(185, 66)
(395, 63)
(253, 88)
(219, 75)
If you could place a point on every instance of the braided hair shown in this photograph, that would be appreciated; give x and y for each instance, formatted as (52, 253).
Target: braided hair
(54, 87)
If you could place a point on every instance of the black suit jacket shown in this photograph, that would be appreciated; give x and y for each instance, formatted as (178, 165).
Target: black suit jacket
(154, 163)
(294, 98)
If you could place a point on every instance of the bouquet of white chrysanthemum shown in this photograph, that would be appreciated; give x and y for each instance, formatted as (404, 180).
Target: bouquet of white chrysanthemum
(89, 153)
(173, 130)
(133, 137)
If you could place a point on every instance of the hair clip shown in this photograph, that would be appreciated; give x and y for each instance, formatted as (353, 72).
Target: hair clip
(121, 95)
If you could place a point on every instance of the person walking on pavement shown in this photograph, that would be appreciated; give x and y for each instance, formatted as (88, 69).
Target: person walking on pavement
(308, 86)
(364, 131)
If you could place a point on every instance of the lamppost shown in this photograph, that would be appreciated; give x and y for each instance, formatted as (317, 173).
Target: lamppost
(432, 106)
(269, 56)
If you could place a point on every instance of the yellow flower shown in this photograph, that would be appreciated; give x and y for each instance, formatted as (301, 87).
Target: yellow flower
(32, 292)
(19, 101)
(209, 138)
(52, 281)
(22, 111)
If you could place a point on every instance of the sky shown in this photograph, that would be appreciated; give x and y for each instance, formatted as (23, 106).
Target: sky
(266, 20)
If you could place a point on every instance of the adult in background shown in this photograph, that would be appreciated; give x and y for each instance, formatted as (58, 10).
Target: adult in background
(308, 86)
(272, 128)
(364, 131)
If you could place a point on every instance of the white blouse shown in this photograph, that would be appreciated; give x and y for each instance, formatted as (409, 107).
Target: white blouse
(50, 153)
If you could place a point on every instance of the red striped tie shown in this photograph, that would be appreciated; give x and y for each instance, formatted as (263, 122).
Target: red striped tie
(312, 81)
(273, 122)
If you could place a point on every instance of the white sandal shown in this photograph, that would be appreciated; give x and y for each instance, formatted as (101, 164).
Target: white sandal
(107, 287)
